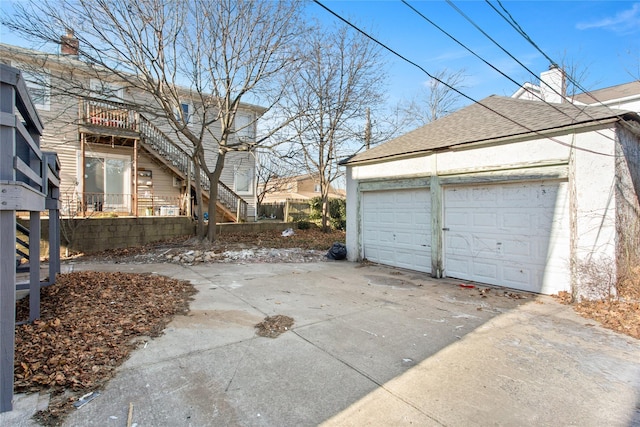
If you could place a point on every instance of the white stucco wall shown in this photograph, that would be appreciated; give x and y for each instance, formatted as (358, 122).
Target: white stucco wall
(590, 170)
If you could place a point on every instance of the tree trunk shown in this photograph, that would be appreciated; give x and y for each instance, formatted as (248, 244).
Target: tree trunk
(325, 211)
(198, 185)
(214, 178)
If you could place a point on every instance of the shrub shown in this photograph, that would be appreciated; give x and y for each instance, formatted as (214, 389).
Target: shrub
(303, 225)
(337, 212)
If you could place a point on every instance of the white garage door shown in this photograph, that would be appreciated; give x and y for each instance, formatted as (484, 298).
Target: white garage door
(514, 235)
(396, 228)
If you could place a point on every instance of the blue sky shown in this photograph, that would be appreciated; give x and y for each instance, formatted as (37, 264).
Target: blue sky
(602, 38)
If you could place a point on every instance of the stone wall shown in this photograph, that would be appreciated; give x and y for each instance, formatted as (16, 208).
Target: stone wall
(89, 235)
(252, 227)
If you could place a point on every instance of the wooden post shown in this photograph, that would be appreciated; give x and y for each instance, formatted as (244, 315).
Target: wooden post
(135, 177)
(83, 202)
(436, 214)
(189, 201)
(7, 251)
(286, 210)
(54, 245)
(7, 306)
(34, 266)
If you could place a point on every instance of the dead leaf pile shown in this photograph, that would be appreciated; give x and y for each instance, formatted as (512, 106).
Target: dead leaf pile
(273, 326)
(88, 326)
(620, 316)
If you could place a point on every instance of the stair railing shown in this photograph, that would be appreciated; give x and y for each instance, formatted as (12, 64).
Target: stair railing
(178, 157)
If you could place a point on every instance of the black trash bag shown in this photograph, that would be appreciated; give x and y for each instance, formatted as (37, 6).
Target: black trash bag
(338, 251)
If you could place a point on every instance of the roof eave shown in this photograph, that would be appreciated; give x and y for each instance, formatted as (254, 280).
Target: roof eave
(547, 133)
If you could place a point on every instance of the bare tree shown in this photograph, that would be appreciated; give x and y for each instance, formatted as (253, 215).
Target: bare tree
(576, 73)
(633, 69)
(220, 52)
(341, 76)
(436, 99)
(273, 173)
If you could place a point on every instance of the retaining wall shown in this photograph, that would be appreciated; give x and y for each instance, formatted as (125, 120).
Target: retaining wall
(89, 235)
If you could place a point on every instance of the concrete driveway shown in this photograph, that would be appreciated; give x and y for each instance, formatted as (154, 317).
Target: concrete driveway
(371, 345)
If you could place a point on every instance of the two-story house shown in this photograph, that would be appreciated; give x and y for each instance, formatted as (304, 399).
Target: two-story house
(118, 158)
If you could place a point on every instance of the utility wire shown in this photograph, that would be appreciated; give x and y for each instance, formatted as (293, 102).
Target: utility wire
(465, 16)
(562, 95)
(514, 24)
(464, 95)
(539, 97)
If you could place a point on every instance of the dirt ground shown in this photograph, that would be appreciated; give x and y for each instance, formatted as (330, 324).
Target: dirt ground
(271, 246)
(92, 321)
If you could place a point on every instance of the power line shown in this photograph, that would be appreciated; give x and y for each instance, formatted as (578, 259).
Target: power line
(384, 46)
(484, 60)
(562, 95)
(514, 24)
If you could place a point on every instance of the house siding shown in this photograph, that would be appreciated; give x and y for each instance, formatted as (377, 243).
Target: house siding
(61, 120)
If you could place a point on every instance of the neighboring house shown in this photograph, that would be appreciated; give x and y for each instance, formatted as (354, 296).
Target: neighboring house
(301, 187)
(552, 88)
(117, 159)
(510, 192)
(625, 96)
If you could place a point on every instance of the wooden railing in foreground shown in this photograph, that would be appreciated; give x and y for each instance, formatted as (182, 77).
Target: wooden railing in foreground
(29, 181)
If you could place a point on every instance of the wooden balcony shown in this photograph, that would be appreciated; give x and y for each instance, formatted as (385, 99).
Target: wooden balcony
(109, 118)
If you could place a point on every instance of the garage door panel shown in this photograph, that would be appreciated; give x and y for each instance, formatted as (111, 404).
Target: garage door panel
(485, 271)
(459, 266)
(515, 276)
(485, 219)
(517, 235)
(397, 228)
(520, 248)
(516, 220)
(458, 218)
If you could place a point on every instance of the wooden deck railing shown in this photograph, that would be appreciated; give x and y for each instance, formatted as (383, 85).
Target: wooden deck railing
(110, 114)
(29, 181)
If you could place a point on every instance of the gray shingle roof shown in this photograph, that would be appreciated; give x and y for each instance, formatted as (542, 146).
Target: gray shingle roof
(609, 93)
(495, 117)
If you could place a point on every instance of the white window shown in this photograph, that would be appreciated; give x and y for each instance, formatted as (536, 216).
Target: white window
(316, 188)
(184, 112)
(38, 85)
(243, 181)
(107, 182)
(107, 91)
(245, 127)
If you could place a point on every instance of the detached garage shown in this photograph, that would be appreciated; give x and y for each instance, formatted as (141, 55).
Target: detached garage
(509, 192)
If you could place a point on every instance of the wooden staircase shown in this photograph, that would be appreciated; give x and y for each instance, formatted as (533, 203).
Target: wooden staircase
(230, 206)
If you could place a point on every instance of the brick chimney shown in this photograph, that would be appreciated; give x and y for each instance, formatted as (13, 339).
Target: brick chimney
(553, 85)
(69, 44)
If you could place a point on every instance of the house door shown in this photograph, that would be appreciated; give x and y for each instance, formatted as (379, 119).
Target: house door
(107, 183)
(396, 228)
(514, 235)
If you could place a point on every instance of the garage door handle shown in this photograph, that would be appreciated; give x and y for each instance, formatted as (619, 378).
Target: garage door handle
(445, 229)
